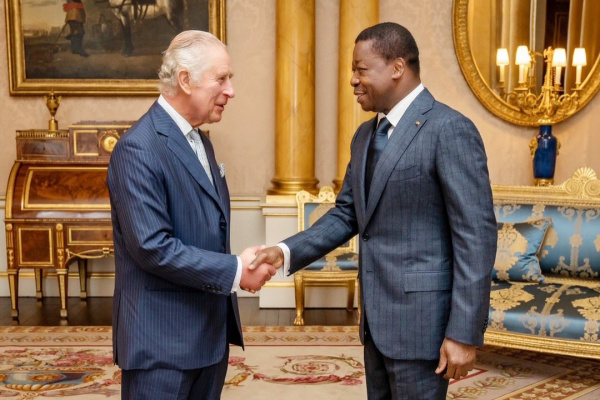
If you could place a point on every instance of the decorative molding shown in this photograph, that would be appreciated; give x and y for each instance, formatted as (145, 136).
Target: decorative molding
(543, 344)
(42, 134)
(582, 189)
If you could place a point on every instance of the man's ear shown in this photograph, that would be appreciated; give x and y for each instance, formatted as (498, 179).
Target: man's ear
(183, 80)
(399, 67)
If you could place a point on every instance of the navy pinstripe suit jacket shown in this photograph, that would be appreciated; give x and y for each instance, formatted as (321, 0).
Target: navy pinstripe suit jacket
(172, 303)
(427, 233)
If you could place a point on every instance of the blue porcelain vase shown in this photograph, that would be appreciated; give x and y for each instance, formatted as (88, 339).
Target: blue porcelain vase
(544, 158)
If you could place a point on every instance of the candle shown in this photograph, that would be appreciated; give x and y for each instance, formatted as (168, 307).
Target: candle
(579, 61)
(522, 59)
(522, 73)
(502, 61)
(559, 60)
(557, 75)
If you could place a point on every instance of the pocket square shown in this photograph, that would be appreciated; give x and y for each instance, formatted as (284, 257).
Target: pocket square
(222, 170)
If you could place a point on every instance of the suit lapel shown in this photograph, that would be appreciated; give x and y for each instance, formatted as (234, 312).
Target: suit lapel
(220, 184)
(177, 143)
(409, 125)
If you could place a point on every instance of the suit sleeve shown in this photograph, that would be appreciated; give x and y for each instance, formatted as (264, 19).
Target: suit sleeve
(461, 165)
(140, 210)
(333, 229)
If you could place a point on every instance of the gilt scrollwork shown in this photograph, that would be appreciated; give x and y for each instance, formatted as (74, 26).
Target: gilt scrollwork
(505, 299)
(590, 309)
(108, 140)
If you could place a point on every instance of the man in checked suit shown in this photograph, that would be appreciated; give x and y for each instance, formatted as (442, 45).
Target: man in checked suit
(175, 307)
(424, 215)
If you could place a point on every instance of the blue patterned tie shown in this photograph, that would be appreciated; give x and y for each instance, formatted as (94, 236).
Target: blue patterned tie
(378, 142)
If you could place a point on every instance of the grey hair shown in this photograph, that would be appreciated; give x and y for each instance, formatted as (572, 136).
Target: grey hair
(187, 51)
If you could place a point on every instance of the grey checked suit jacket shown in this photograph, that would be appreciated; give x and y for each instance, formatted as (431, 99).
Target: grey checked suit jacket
(172, 303)
(427, 233)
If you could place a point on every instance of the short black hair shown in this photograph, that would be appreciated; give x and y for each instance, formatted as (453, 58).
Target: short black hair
(391, 41)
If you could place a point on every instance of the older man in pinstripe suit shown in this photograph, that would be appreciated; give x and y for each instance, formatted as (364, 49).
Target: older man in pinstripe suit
(175, 306)
(417, 193)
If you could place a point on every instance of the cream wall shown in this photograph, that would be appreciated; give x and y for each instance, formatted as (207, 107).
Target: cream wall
(244, 139)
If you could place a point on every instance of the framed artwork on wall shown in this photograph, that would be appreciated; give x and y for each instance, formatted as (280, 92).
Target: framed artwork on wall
(98, 47)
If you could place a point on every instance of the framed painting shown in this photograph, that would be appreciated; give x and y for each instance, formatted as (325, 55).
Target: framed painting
(98, 47)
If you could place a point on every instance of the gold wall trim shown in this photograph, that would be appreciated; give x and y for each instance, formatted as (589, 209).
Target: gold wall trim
(279, 285)
(266, 214)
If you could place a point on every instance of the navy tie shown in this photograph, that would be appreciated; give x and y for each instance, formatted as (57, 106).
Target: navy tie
(378, 142)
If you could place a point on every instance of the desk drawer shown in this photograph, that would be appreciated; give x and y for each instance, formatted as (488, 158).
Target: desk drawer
(89, 235)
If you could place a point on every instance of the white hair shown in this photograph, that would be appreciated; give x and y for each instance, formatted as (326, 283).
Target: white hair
(187, 51)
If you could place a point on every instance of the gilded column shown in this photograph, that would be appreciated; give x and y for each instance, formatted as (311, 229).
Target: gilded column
(295, 98)
(355, 15)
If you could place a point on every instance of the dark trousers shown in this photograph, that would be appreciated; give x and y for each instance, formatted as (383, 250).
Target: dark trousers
(390, 379)
(168, 384)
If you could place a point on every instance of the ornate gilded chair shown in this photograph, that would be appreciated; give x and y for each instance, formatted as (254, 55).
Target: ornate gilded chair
(338, 268)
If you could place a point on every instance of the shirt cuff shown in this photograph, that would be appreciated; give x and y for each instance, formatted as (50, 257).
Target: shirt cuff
(238, 276)
(285, 271)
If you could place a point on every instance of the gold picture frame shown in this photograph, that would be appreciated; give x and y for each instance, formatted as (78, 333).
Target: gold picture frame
(41, 56)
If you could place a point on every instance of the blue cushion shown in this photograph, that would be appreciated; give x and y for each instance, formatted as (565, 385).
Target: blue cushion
(572, 244)
(518, 245)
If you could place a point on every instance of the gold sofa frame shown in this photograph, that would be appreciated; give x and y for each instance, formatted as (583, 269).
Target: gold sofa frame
(582, 190)
(330, 275)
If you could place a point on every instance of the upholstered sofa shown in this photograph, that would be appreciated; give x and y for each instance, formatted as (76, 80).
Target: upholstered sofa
(546, 287)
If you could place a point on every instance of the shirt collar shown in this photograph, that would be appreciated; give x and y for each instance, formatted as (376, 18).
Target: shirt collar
(183, 125)
(399, 109)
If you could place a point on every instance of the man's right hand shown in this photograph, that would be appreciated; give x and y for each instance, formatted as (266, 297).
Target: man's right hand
(271, 255)
(254, 278)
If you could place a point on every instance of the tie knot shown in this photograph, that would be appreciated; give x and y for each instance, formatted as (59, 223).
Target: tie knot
(383, 127)
(194, 135)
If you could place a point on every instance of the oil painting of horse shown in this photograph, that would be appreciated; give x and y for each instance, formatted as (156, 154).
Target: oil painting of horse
(98, 46)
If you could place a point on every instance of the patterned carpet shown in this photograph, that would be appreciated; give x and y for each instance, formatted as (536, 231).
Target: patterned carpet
(279, 362)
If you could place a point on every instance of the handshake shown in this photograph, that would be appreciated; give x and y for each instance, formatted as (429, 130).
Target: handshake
(259, 264)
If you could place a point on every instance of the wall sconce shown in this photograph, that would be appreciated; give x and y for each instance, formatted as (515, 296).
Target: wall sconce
(551, 101)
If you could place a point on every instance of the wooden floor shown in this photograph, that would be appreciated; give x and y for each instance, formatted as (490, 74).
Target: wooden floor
(98, 311)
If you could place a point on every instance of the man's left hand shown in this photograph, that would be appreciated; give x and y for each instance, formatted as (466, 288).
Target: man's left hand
(456, 358)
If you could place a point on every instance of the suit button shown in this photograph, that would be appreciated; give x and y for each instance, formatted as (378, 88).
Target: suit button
(365, 236)
(223, 225)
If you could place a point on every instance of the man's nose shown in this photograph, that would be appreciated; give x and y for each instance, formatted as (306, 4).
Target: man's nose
(229, 91)
(354, 80)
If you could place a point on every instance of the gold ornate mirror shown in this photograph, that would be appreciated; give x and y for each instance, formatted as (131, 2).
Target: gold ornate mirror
(535, 87)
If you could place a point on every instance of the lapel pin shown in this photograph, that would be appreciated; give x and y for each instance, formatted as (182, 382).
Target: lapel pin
(222, 170)
(418, 123)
